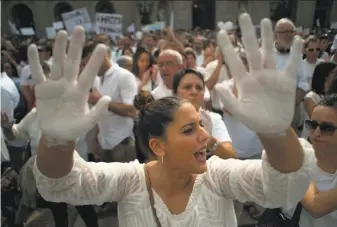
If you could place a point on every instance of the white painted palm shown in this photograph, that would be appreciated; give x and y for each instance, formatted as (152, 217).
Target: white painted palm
(61, 100)
(266, 96)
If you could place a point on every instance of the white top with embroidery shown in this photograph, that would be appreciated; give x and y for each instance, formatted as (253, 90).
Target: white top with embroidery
(211, 201)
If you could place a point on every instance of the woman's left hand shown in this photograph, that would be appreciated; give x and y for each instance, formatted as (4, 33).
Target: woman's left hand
(266, 96)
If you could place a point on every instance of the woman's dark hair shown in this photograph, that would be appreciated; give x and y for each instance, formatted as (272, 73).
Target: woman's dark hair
(129, 49)
(153, 120)
(136, 56)
(329, 100)
(333, 86)
(181, 74)
(321, 72)
(142, 99)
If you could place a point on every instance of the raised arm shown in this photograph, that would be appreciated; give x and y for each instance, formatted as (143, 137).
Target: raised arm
(63, 115)
(265, 105)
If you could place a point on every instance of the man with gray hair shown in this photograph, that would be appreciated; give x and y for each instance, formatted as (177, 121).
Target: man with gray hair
(285, 31)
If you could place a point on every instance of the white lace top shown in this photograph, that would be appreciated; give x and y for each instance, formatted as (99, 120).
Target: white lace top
(211, 201)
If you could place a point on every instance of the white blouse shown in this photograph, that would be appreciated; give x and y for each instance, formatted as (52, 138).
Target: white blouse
(211, 201)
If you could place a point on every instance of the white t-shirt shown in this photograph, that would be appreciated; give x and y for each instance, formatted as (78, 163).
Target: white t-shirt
(307, 69)
(211, 200)
(324, 181)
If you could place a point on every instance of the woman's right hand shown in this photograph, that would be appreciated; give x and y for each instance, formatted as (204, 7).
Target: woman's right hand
(61, 100)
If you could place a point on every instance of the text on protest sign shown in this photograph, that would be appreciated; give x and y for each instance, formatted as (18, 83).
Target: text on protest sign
(110, 24)
(76, 17)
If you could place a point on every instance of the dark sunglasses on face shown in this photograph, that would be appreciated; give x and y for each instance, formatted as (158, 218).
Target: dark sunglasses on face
(314, 49)
(327, 129)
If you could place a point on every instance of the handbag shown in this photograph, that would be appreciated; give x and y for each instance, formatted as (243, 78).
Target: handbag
(276, 218)
(149, 190)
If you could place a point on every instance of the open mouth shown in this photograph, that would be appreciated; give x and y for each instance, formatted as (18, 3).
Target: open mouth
(201, 155)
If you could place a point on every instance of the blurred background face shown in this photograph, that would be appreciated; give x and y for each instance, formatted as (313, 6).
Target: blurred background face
(198, 45)
(8, 68)
(284, 35)
(128, 52)
(143, 62)
(191, 88)
(190, 61)
(324, 43)
(168, 67)
(312, 50)
(150, 42)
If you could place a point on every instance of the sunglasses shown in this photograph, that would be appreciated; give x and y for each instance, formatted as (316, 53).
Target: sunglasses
(327, 129)
(314, 49)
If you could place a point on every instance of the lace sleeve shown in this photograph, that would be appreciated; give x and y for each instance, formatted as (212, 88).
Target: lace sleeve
(259, 182)
(90, 183)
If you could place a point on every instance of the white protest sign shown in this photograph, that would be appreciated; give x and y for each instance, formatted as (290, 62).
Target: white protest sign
(51, 33)
(157, 26)
(58, 25)
(75, 18)
(27, 31)
(109, 24)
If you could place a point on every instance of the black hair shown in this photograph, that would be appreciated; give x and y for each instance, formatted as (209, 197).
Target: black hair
(329, 100)
(136, 56)
(153, 119)
(320, 74)
(181, 74)
(333, 86)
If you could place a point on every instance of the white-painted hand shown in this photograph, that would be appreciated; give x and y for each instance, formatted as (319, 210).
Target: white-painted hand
(266, 96)
(61, 100)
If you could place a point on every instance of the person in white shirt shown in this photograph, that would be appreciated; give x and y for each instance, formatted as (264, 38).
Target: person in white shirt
(285, 31)
(180, 187)
(190, 61)
(320, 201)
(311, 52)
(198, 47)
(324, 43)
(169, 63)
(189, 84)
(10, 98)
(115, 128)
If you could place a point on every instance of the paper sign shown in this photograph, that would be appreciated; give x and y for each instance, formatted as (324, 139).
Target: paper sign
(51, 33)
(131, 28)
(109, 24)
(27, 31)
(158, 26)
(75, 18)
(58, 25)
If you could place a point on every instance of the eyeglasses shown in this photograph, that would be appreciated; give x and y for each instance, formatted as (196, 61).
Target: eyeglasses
(327, 129)
(314, 49)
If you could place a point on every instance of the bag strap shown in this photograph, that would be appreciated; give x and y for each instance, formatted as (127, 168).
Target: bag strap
(295, 219)
(149, 190)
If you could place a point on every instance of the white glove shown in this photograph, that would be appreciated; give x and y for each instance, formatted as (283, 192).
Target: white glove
(266, 96)
(61, 100)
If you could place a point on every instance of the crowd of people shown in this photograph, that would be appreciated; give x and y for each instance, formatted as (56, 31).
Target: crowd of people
(179, 129)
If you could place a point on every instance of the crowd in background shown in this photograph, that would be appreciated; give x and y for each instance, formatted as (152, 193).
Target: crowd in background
(138, 70)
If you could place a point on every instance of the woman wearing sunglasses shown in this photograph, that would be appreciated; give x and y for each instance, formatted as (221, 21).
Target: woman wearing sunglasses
(324, 74)
(320, 201)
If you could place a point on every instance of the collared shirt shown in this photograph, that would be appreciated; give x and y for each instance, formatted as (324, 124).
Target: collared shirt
(281, 64)
(121, 86)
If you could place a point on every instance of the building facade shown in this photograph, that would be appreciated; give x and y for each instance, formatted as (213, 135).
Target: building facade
(187, 14)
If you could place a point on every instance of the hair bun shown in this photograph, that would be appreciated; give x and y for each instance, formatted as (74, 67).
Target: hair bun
(142, 99)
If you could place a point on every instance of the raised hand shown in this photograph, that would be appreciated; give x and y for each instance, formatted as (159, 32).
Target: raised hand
(61, 100)
(266, 96)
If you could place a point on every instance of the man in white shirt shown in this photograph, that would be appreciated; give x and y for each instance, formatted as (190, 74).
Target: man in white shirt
(199, 52)
(285, 32)
(115, 128)
(10, 98)
(169, 62)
